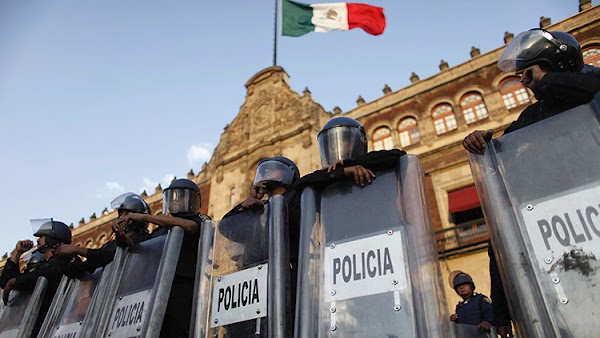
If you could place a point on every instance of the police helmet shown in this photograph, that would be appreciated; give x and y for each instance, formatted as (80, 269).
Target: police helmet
(55, 230)
(181, 197)
(277, 169)
(462, 278)
(560, 51)
(340, 139)
(130, 202)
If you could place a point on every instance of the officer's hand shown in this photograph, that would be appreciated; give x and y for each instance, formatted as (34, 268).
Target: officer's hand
(120, 225)
(475, 141)
(505, 331)
(485, 326)
(360, 174)
(332, 167)
(454, 317)
(130, 217)
(68, 250)
(7, 289)
(251, 203)
(23, 246)
(258, 190)
(531, 76)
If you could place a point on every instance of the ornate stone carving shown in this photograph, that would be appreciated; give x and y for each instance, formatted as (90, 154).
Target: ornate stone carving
(219, 176)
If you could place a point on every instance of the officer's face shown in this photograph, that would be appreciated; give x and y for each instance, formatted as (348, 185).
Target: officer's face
(41, 241)
(464, 290)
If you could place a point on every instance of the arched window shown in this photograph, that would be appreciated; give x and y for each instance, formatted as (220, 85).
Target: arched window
(591, 56)
(513, 92)
(443, 118)
(408, 131)
(88, 243)
(382, 139)
(473, 107)
(102, 240)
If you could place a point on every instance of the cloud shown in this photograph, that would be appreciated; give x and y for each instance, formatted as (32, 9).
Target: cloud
(167, 180)
(199, 153)
(109, 190)
(149, 185)
(114, 186)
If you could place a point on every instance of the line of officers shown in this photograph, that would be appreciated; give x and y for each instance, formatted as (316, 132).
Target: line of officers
(541, 58)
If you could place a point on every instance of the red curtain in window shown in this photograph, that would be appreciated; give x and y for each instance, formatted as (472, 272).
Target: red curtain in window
(463, 199)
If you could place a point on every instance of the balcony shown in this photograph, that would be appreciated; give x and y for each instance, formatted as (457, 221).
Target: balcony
(462, 238)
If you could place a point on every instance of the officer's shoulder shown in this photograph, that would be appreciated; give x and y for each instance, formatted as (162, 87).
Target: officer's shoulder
(482, 297)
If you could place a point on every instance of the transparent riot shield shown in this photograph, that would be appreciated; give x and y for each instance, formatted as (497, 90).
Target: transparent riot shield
(18, 317)
(368, 262)
(249, 291)
(66, 317)
(540, 192)
(138, 292)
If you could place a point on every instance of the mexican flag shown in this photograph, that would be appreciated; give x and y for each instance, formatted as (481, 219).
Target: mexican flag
(299, 19)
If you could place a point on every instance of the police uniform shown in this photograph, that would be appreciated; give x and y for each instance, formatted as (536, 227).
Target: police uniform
(176, 322)
(50, 269)
(97, 258)
(376, 160)
(474, 311)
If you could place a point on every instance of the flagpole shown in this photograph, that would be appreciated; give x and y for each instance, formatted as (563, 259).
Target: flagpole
(275, 35)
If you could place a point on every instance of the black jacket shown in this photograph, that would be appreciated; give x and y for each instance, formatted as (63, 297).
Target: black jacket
(375, 161)
(26, 281)
(100, 257)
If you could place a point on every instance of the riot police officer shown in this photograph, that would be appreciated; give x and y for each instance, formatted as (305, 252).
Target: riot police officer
(181, 205)
(475, 308)
(274, 176)
(50, 235)
(126, 235)
(549, 63)
(343, 148)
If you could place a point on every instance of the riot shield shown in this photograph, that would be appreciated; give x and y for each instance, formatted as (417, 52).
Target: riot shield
(368, 262)
(540, 191)
(65, 319)
(138, 292)
(18, 317)
(250, 252)
(472, 331)
(202, 290)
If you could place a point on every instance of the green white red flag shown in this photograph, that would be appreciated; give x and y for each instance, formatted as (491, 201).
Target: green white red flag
(299, 19)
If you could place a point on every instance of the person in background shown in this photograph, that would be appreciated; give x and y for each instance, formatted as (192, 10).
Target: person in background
(474, 308)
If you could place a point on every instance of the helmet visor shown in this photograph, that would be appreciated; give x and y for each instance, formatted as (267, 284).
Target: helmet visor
(180, 200)
(525, 48)
(274, 171)
(341, 143)
(130, 202)
(38, 222)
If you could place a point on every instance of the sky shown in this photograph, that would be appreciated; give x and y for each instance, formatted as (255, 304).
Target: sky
(98, 98)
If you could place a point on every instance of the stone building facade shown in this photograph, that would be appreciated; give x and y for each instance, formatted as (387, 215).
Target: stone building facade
(428, 118)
